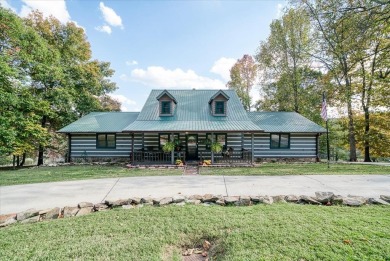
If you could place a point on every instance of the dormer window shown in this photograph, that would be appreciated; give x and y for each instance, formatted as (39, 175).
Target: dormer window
(218, 103)
(166, 107)
(166, 103)
(219, 107)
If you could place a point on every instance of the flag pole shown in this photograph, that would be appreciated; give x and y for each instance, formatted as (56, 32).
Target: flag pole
(327, 142)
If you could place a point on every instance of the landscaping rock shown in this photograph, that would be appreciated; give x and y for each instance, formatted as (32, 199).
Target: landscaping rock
(385, 198)
(120, 202)
(308, 200)
(8, 222)
(255, 199)
(70, 211)
(178, 198)
(220, 202)
(180, 204)
(30, 220)
(209, 198)
(27, 214)
(377, 201)
(231, 200)
(337, 199)
(353, 201)
(53, 213)
(147, 200)
(85, 205)
(128, 206)
(195, 197)
(362, 199)
(84, 211)
(291, 198)
(324, 197)
(279, 199)
(100, 207)
(156, 201)
(165, 201)
(266, 200)
(6, 217)
(244, 201)
(193, 201)
(135, 201)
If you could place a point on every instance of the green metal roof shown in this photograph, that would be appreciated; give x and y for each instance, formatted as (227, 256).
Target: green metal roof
(101, 122)
(284, 122)
(192, 113)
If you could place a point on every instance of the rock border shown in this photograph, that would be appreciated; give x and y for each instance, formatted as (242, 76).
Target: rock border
(84, 208)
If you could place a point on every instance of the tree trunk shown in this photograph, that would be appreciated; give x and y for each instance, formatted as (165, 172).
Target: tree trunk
(367, 136)
(23, 159)
(41, 148)
(18, 161)
(351, 126)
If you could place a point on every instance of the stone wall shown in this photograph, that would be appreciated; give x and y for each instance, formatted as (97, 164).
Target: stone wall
(84, 208)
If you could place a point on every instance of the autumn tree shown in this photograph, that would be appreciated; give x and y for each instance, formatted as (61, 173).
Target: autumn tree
(243, 76)
(73, 90)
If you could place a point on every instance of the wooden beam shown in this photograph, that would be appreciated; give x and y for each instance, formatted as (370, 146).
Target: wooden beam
(132, 148)
(69, 159)
(317, 148)
(173, 151)
(212, 152)
(253, 147)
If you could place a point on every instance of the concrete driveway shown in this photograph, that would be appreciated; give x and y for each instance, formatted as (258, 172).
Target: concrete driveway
(18, 198)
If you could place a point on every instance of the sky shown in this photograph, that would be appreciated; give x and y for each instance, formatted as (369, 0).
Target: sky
(155, 44)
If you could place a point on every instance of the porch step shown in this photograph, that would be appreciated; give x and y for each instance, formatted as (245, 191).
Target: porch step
(191, 170)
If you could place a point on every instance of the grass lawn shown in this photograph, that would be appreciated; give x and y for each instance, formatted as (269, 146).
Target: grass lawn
(62, 173)
(261, 232)
(299, 169)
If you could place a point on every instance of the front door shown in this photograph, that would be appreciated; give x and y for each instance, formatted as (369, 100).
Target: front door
(192, 146)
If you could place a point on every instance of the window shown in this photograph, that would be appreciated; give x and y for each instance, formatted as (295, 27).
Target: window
(165, 137)
(106, 141)
(165, 107)
(280, 141)
(221, 138)
(219, 107)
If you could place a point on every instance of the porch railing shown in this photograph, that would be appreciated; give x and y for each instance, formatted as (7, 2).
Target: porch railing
(153, 157)
(228, 156)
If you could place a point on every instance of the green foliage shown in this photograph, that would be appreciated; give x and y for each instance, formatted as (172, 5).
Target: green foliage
(47, 80)
(169, 146)
(216, 147)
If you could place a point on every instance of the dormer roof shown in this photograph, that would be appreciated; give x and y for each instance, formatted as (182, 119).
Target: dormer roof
(167, 93)
(220, 92)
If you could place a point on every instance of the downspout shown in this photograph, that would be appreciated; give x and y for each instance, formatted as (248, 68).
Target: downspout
(317, 148)
(132, 148)
(252, 147)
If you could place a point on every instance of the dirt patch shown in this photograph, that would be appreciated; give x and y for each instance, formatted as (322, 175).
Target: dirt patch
(202, 250)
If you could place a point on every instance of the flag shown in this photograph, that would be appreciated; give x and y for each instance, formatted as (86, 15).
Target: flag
(324, 113)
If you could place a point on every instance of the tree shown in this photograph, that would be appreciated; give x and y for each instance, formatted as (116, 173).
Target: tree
(345, 33)
(22, 51)
(77, 83)
(243, 76)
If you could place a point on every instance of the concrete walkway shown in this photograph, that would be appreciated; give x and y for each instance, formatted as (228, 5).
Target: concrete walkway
(17, 198)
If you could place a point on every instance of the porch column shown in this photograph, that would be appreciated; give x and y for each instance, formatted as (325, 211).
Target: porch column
(317, 150)
(173, 151)
(253, 147)
(69, 158)
(132, 148)
(212, 153)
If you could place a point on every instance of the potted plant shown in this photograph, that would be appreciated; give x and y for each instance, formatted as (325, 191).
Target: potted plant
(177, 145)
(216, 147)
(168, 146)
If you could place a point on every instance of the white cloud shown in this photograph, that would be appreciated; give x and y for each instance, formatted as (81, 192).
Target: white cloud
(104, 29)
(222, 67)
(157, 76)
(126, 103)
(6, 5)
(110, 16)
(55, 8)
(131, 63)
